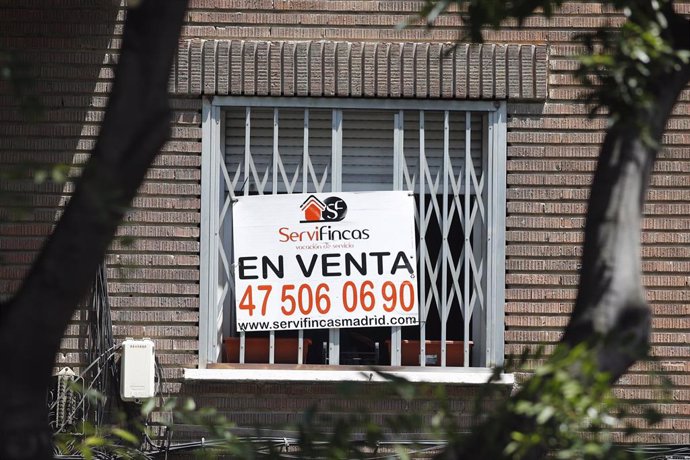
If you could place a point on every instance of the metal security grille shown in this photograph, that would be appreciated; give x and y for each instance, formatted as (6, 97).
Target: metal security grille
(450, 155)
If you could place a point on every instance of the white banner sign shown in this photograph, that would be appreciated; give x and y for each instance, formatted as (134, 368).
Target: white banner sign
(324, 260)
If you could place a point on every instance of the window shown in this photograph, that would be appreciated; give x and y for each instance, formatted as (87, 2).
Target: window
(451, 155)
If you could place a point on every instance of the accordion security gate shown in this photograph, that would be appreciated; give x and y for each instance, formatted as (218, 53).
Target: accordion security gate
(451, 155)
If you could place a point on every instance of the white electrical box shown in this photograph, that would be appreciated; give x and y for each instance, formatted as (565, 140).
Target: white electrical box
(137, 370)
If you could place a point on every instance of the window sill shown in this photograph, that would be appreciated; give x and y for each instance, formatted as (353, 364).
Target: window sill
(320, 373)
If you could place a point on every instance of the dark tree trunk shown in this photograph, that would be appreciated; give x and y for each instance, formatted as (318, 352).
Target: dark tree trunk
(136, 124)
(610, 313)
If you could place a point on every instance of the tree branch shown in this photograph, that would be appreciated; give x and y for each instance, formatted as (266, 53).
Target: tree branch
(136, 124)
(611, 312)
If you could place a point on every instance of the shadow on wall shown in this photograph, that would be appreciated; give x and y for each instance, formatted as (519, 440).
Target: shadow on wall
(70, 52)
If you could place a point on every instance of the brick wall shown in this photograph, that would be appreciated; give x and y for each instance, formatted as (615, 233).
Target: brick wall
(154, 275)
(274, 404)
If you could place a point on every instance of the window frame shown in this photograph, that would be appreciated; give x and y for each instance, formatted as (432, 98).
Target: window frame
(213, 151)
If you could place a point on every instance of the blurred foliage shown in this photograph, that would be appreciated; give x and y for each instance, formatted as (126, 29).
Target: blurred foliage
(76, 436)
(554, 414)
(621, 65)
(325, 432)
(319, 433)
(570, 416)
(478, 15)
(90, 442)
(58, 173)
(566, 409)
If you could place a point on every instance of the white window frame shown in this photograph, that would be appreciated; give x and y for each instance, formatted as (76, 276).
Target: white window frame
(214, 206)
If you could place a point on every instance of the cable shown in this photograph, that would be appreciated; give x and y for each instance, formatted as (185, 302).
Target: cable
(100, 335)
(160, 381)
(101, 371)
(423, 445)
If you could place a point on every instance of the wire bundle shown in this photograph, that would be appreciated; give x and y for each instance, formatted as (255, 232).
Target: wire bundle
(101, 343)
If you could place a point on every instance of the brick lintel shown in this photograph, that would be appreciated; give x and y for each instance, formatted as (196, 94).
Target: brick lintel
(353, 69)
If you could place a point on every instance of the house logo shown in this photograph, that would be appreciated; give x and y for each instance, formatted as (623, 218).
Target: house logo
(332, 209)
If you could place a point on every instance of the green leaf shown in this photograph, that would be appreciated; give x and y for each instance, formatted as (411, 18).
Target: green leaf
(189, 405)
(148, 407)
(86, 452)
(401, 452)
(59, 174)
(545, 414)
(437, 9)
(169, 405)
(94, 441)
(40, 176)
(125, 435)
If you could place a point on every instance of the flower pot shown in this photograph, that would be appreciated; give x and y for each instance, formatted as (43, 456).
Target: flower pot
(455, 354)
(257, 348)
